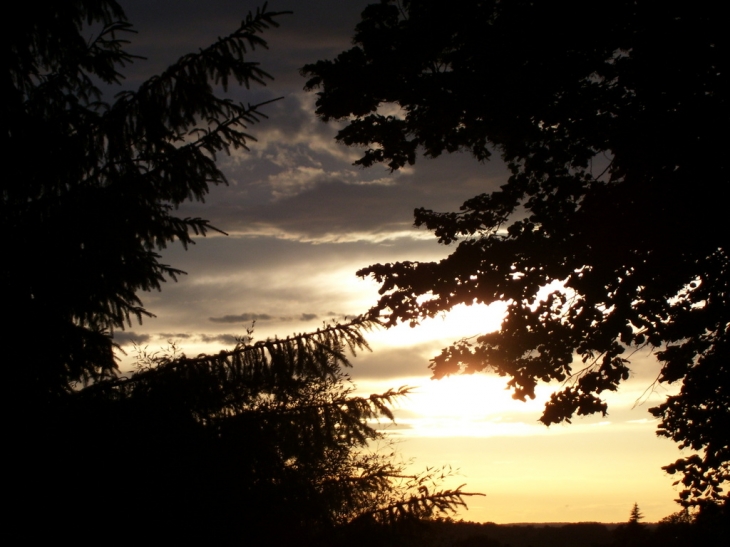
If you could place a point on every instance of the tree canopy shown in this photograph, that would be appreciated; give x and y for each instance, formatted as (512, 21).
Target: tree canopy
(91, 191)
(611, 117)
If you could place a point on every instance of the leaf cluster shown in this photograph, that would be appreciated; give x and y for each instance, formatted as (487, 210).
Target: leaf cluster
(610, 118)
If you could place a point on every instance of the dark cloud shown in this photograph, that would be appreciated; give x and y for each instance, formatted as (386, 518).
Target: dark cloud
(226, 339)
(393, 363)
(242, 318)
(317, 29)
(296, 181)
(162, 337)
(333, 202)
(250, 261)
(175, 335)
(308, 316)
(130, 337)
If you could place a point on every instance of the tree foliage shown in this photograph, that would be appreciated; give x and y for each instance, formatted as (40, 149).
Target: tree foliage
(265, 442)
(636, 515)
(91, 191)
(611, 117)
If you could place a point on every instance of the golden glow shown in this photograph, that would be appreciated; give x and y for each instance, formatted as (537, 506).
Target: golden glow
(461, 322)
(593, 476)
(467, 406)
(480, 405)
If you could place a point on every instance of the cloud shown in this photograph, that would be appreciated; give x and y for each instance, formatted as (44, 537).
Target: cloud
(394, 363)
(329, 200)
(242, 318)
(248, 317)
(184, 337)
(226, 339)
(291, 135)
(299, 179)
(238, 278)
(294, 152)
(130, 337)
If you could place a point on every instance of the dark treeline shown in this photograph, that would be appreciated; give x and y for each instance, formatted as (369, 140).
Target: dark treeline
(677, 530)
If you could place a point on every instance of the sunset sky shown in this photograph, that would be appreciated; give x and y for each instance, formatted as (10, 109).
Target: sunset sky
(302, 220)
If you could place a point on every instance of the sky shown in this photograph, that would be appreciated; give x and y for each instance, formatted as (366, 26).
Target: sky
(302, 220)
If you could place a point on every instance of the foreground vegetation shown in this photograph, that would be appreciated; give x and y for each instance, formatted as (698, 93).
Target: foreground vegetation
(264, 444)
(677, 530)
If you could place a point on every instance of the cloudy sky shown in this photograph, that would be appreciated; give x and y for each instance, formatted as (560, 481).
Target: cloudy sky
(302, 220)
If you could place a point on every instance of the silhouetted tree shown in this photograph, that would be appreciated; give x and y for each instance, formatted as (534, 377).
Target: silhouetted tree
(675, 529)
(611, 117)
(633, 533)
(264, 443)
(636, 515)
(91, 191)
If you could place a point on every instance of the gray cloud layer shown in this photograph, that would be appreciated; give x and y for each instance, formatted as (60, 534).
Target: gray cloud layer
(297, 182)
(302, 218)
(242, 318)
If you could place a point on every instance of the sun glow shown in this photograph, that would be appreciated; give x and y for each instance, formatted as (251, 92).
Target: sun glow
(462, 406)
(469, 397)
(460, 322)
